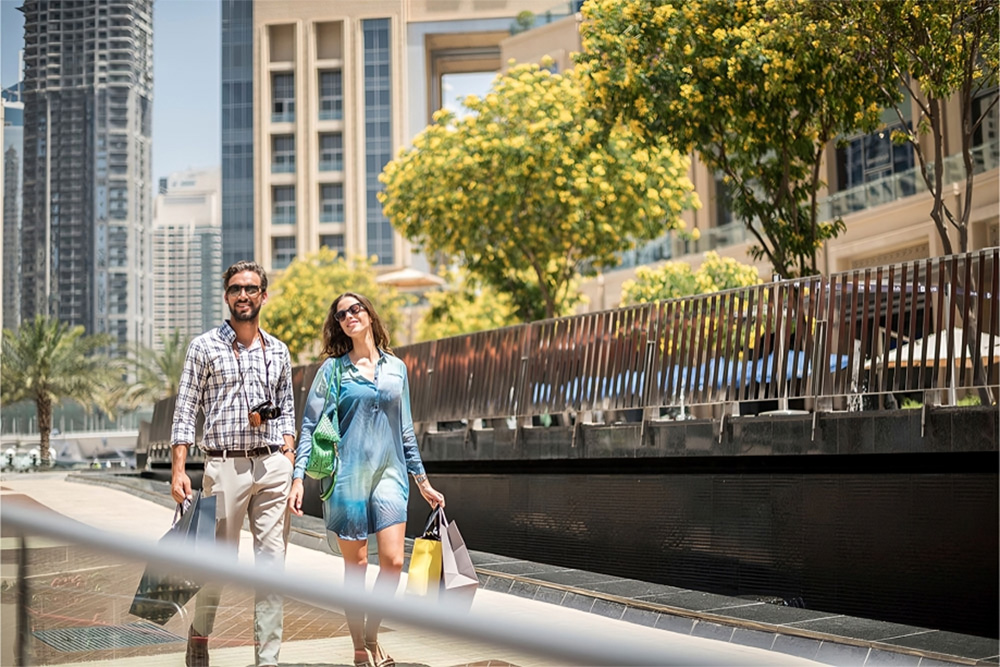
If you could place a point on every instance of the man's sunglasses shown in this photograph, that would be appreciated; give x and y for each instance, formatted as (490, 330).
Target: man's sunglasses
(251, 290)
(354, 309)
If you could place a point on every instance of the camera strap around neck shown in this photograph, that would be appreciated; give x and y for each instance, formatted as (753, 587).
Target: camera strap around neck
(267, 375)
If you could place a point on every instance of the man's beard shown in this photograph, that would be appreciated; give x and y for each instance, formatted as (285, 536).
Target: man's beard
(247, 316)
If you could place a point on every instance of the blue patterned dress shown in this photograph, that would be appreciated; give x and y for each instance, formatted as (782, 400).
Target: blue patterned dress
(377, 446)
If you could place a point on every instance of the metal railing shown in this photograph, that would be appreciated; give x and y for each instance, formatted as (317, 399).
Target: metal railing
(929, 329)
(928, 326)
(565, 646)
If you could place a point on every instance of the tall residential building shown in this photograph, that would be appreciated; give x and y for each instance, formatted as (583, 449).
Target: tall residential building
(187, 255)
(85, 236)
(237, 131)
(339, 88)
(13, 159)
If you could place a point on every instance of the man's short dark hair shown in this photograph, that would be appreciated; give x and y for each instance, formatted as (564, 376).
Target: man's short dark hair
(240, 267)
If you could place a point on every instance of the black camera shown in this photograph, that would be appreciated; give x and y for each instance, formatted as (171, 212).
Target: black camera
(266, 410)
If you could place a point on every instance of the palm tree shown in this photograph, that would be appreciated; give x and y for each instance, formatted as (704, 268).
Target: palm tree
(46, 361)
(157, 373)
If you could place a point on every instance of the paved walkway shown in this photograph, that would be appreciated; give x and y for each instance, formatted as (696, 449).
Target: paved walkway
(313, 637)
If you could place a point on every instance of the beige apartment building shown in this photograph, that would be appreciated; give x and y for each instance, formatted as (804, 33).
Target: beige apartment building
(339, 88)
(872, 184)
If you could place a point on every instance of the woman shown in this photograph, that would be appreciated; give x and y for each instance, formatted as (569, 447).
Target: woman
(377, 449)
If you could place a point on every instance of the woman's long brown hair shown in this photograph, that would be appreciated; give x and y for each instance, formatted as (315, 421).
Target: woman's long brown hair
(336, 343)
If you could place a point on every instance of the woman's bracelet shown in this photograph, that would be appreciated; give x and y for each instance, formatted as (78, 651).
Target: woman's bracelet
(420, 479)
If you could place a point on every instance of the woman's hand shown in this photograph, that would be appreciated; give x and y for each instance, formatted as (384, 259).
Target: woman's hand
(430, 494)
(295, 497)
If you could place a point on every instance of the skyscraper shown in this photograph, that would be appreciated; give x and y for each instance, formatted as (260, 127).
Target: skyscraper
(86, 233)
(187, 255)
(13, 157)
(237, 131)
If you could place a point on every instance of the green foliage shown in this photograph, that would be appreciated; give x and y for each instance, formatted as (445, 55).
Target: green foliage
(157, 372)
(46, 361)
(465, 308)
(934, 50)
(299, 300)
(674, 280)
(528, 194)
(523, 21)
(756, 87)
(671, 280)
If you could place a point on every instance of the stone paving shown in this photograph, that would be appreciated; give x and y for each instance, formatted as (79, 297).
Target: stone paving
(86, 595)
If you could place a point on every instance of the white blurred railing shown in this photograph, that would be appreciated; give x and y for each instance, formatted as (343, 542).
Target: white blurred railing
(562, 645)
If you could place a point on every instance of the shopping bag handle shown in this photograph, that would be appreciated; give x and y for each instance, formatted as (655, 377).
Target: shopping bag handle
(432, 531)
(182, 508)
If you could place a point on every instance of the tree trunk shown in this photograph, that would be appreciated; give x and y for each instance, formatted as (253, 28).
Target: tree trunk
(43, 405)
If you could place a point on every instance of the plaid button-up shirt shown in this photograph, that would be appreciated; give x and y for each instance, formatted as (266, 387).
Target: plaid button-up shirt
(226, 387)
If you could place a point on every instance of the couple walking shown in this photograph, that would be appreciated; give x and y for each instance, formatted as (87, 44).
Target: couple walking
(240, 377)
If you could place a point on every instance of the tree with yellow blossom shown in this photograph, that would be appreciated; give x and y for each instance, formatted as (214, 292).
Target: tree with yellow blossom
(757, 87)
(673, 280)
(464, 308)
(299, 299)
(528, 193)
(935, 51)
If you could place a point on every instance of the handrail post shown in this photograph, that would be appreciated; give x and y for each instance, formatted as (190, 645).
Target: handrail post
(23, 631)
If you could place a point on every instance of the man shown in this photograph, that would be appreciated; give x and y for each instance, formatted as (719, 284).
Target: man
(241, 377)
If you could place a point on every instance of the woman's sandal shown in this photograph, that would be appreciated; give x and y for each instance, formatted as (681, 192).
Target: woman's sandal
(363, 662)
(379, 657)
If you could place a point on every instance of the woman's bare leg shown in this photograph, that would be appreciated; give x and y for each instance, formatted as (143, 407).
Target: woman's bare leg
(355, 554)
(391, 547)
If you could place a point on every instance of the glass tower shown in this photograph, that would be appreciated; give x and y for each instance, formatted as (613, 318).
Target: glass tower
(237, 131)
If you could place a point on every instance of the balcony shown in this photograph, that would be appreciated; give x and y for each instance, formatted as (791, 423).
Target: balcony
(904, 184)
(840, 204)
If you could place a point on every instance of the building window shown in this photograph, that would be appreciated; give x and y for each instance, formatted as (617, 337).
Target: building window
(331, 95)
(331, 151)
(282, 251)
(872, 157)
(283, 154)
(986, 150)
(283, 205)
(723, 202)
(334, 242)
(987, 131)
(283, 98)
(331, 202)
(378, 134)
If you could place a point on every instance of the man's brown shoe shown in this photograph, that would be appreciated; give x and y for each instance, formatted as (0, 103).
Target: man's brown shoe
(197, 650)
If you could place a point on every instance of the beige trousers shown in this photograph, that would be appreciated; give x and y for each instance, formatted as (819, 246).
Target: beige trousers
(256, 489)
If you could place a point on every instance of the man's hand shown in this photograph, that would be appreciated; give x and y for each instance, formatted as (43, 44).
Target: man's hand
(180, 486)
(180, 483)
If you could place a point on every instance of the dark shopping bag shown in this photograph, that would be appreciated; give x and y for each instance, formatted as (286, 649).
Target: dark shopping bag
(459, 580)
(160, 595)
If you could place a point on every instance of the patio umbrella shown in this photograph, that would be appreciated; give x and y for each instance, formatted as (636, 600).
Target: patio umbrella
(929, 350)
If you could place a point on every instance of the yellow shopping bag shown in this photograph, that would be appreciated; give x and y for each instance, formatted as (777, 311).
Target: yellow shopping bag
(424, 575)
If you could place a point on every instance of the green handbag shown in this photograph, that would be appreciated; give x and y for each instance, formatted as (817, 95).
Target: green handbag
(324, 459)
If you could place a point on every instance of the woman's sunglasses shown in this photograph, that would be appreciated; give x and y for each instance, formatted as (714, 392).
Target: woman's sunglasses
(354, 309)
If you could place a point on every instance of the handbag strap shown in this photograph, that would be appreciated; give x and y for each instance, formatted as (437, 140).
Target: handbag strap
(329, 386)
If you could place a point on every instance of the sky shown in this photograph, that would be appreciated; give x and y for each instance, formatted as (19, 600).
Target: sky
(186, 76)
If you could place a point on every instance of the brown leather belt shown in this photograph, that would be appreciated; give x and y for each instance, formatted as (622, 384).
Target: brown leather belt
(242, 453)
